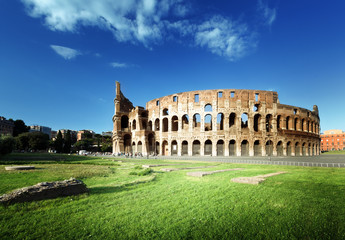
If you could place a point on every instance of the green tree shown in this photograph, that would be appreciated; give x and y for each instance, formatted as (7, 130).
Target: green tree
(22, 141)
(85, 144)
(67, 142)
(38, 141)
(19, 127)
(59, 142)
(7, 144)
(98, 141)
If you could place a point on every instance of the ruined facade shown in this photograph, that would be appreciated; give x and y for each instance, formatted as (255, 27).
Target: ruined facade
(223, 122)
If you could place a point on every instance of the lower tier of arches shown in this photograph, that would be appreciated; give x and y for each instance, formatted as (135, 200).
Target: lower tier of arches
(219, 147)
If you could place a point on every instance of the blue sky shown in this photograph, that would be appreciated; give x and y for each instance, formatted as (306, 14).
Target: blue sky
(59, 59)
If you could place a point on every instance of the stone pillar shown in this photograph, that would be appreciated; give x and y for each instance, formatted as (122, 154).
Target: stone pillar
(214, 148)
(202, 148)
(283, 123)
(226, 148)
(251, 148)
(238, 148)
(274, 152)
(190, 147)
(179, 148)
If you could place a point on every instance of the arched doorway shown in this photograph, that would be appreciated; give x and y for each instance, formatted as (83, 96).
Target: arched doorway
(232, 148)
(280, 148)
(257, 148)
(165, 150)
(208, 148)
(184, 148)
(244, 148)
(127, 140)
(196, 148)
(269, 148)
(174, 148)
(220, 148)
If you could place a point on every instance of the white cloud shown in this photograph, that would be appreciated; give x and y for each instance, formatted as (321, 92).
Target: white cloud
(268, 14)
(65, 52)
(225, 37)
(148, 22)
(119, 65)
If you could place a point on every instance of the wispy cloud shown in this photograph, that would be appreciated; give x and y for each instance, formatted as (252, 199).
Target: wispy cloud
(150, 22)
(268, 14)
(225, 37)
(65, 52)
(119, 65)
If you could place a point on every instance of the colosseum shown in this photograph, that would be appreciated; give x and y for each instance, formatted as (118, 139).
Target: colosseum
(223, 122)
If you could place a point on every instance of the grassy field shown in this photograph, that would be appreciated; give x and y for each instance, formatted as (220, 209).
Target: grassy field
(334, 152)
(304, 203)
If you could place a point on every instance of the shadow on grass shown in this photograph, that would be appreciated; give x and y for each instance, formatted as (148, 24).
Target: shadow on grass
(120, 188)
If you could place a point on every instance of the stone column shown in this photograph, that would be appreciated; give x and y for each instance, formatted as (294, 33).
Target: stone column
(190, 148)
(238, 148)
(179, 148)
(251, 148)
(214, 148)
(202, 148)
(226, 148)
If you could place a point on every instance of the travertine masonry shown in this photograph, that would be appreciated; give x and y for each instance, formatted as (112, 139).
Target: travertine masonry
(223, 122)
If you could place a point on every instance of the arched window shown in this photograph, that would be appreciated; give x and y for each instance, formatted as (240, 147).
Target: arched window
(124, 122)
(232, 120)
(269, 123)
(157, 124)
(208, 108)
(257, 119)
(220, 121)
(165, 112)
(208, 122)
(165, 125)
(174, 124)
(185, 122)
(244, 120)
(196, 120)
(134, 125)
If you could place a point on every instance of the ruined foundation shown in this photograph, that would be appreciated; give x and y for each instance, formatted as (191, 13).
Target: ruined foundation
(223, 122)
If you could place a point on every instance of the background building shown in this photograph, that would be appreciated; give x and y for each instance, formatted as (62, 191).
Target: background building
(82, 134)
(6, 126)
(43, 129)
(333, 140)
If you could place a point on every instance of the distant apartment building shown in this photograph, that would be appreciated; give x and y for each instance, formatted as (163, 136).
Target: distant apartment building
(6, 126)
(332, 140)
(53, 134)
(43, 129)
(107, 134)
(83, 133)
(64, 132)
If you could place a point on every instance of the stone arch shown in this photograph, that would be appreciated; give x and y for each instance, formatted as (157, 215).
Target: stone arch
(297, 149)
(127, 140)
(304, 149)
(174, 124)
(165, 112)
(134, 124)
(174, 148)
(288, 149)
(232, 120)
(124, 122)
(149, 127)
(196, 121)
(165, 149)
(280, 149)
(244, 148)
(257, 119)
(257, 148)
(151, 143)
(269, 148)
(220, 121)
(279, 124)
(184, 151)
(157, 148)
(232, 148)
(208, 148)
(208, 107)
(165, 125)
(244, 120)
(157, 124)
(295, 126)
(140, 147)
(287, 122)
(133, 148)
(196, 148)
(185, 122)
(220, 148)
(269, 125)
(303, 124)
(208, 122)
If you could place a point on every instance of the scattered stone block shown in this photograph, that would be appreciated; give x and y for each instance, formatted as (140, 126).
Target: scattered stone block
(201, 174)
(19, 168)
(45, 190)
(159, 165)
(255, 180)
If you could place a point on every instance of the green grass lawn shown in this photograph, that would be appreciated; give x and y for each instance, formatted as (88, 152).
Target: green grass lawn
(304, 203)
(334, 152)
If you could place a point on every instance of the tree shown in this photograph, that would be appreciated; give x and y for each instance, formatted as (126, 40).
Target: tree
(19, 127)
(38, 141)
(98, 140)
(6, 144)
(22, 141)
(67, 142)
(59, 142)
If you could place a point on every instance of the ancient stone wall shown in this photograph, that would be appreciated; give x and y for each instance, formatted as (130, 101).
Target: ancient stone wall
(222, 122)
